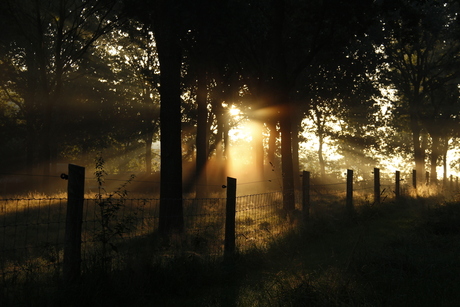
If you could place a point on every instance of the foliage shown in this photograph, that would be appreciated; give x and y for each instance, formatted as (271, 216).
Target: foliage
(422, 64)
(81, 77)
(113, 222)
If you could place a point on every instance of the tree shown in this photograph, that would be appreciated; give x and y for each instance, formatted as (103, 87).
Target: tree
(440, 119)
(421, 48)
(341, 88)
(137, 63)
(166, 25)
(47, 43)
(206, 57)
(280, 44)
(166, 19)
(320, 115)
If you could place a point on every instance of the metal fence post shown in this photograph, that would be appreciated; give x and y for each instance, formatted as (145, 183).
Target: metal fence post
(74, 216)
(305, 195)
(229, 245)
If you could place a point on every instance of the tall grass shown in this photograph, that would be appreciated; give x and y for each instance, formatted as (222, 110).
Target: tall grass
(379, 257)
(117, 232)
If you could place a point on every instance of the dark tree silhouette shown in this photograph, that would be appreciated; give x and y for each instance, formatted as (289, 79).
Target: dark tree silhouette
(421, 48)
(47, 43)
(282, 40)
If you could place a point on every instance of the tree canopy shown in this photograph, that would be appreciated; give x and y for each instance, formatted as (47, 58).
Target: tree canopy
(342, 84)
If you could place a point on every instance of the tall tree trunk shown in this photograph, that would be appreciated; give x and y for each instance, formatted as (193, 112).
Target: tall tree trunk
(31, 148)
(424, 148)
(220, 160)
(435, 153)
(151, 122)
(444, 148)
(148, 152)
(201, 134)
(419, 153)
(271, 151)
(320, 132)
(286, 158)
(258, 148)
(281, 99)
(170, 59)
(322, 164)
(30, 145)
(46, 153)
(295, 151)
(30, 110)
(226, 139)
(221, 146)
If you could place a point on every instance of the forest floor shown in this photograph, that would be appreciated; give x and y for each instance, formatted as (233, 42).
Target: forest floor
(404, 253)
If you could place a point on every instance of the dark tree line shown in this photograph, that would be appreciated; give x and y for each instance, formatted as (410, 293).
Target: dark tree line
(79, 77)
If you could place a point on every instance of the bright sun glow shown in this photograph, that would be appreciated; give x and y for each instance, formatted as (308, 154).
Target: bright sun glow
(234, 111)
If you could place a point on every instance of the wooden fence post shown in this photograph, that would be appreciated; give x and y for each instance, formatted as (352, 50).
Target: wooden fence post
(349, 201)
(74, 217)
(305, 195)
(427, 178)
(397, 185)
(376, 186)
(229, 245)
(414, 179)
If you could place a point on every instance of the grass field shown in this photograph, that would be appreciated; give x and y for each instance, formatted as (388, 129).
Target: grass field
(402, 253)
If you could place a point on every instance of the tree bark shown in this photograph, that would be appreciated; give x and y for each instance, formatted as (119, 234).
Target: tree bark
(286, 158)
(322, 165)
(271, 151)
(201, 134)
(419, 154)
(435, 153)
(148, 152)
(295, 151)
(258, 148)
(445, 148)
(281, 100)
(170, 59)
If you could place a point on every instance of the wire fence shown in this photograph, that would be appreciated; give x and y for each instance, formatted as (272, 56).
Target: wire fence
(32, 230)
(339, 188)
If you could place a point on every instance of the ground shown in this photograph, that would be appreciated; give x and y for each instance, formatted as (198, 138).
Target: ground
(403, 253)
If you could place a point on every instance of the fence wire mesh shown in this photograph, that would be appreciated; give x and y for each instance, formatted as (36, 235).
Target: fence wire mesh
(32, 230)
(259, 219)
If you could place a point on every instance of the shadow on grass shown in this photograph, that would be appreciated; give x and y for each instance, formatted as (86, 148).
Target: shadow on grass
(403, 253)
